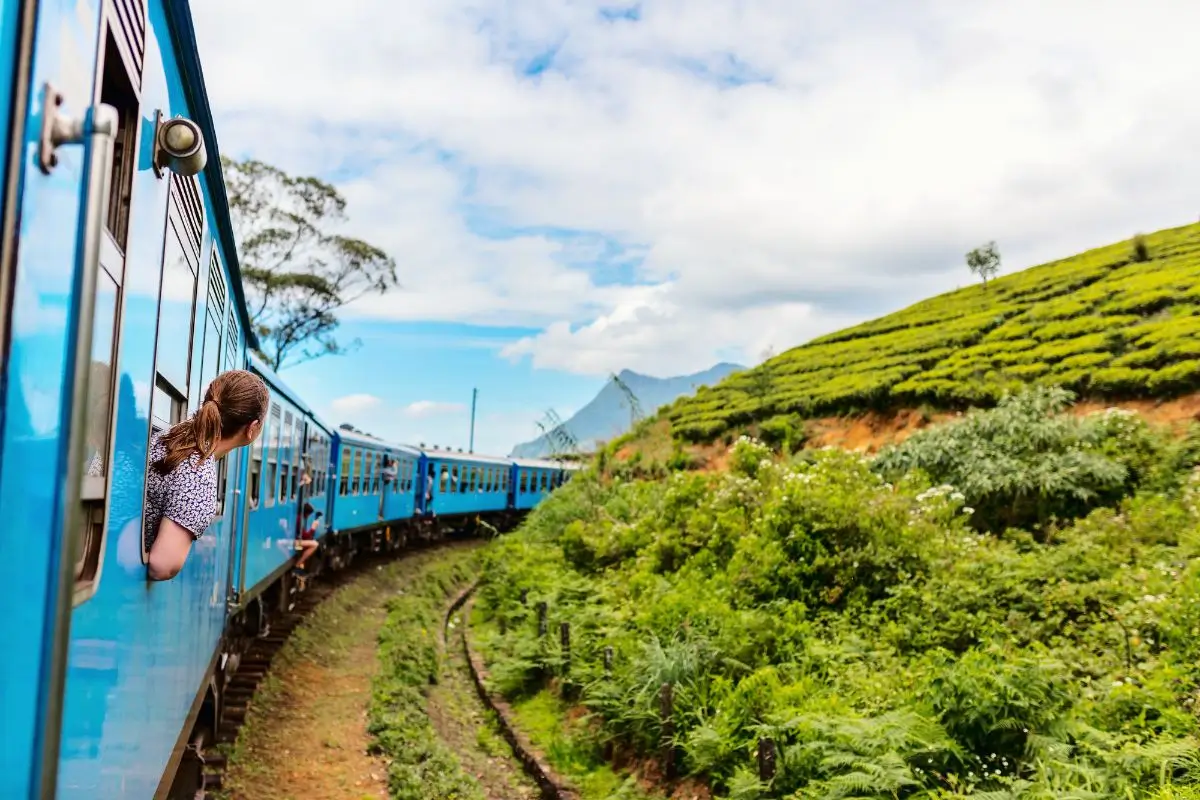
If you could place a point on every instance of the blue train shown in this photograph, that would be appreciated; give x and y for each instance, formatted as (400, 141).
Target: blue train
(120, 299)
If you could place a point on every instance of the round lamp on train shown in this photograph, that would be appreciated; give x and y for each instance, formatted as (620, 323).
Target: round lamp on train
(179, 146)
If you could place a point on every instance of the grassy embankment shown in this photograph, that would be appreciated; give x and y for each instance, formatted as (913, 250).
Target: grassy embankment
(1004, 607)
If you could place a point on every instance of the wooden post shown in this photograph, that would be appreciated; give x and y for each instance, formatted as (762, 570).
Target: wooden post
(665, 713)
(608, 656)
(766, 760)
(564, 635)
(541, 610)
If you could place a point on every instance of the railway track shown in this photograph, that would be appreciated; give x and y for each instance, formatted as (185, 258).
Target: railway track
(256, 661)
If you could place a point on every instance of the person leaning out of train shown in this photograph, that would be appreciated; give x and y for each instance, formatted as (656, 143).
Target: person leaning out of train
(181, 484)
(307, 543)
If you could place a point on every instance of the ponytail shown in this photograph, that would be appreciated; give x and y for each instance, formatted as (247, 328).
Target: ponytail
(234, 399)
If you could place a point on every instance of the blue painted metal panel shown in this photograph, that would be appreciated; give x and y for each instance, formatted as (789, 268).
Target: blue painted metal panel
(270, 529)
(36, 392)
(139, 650)
(398, 499)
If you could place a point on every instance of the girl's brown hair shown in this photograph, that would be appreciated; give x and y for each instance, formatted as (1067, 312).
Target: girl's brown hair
(234, 399)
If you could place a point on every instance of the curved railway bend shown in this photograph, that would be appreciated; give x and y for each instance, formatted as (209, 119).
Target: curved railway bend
(300, 731)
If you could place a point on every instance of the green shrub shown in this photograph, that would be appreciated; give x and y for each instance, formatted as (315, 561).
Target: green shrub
(1027, 462)
(890, 650)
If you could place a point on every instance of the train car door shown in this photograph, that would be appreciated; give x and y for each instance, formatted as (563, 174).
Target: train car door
(57, 156)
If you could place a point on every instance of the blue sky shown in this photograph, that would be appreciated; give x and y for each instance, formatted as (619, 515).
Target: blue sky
(572, 187)
(428, 397)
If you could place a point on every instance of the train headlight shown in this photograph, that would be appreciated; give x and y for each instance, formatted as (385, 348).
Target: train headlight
(179, 146)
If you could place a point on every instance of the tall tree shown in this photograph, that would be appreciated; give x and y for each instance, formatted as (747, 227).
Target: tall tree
(298, 271)
(984, 261)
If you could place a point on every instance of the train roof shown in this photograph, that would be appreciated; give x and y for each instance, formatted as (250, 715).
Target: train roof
(454, 455)
(179, 19)
(543, 463)
(277, 383)
(366, 439)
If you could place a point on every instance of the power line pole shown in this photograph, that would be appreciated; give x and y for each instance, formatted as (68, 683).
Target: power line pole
(474, 396)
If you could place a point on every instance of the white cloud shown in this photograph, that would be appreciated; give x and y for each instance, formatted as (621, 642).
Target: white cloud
(354, 403)
(430, 408)
(886, 144)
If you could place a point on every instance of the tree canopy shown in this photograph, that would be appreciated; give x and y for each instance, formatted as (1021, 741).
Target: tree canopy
(299, 270)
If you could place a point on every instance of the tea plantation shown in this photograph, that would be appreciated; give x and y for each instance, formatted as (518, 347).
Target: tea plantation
(1120, 321)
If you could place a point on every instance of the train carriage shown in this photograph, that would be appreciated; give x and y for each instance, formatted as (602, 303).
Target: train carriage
(534, 478)
(459, 483)
(374, 493)
(294, 442)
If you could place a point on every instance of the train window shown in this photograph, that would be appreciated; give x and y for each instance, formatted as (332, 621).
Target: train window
(524, 477)
(444, 480)
(356, 472)
(269, 487)
(285, 457)
(177, 293)
(210, 357)
(100, 391)
(256, 458)
(376, 476)
(344, 489)
(117, 90)
(298, 456)
(118, 82)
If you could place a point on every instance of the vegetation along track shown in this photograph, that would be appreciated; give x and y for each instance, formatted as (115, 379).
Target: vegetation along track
(365, 699)
(236, 769)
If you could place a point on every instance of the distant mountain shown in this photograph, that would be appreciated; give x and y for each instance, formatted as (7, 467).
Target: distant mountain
(607, 415)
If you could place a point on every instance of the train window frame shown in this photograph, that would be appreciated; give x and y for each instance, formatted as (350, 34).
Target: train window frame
(376, 474)
(286, 456)
(217, 297)
(344, 474)
(118, 84)
(271, 474)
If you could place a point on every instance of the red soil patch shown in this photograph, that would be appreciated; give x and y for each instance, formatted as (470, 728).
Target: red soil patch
(867, 433)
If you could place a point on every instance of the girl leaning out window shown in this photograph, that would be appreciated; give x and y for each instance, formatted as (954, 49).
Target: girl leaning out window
(181, 484)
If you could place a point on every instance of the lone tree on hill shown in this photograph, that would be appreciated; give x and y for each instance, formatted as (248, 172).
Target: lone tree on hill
(984, 262)
(299, 272)
(762, 377)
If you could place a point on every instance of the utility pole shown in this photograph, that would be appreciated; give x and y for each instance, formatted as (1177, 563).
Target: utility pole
(474, 396)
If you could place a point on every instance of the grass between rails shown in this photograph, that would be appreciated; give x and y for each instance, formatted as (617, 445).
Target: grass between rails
(1111, 323)
(563, 739)
(471, 729)
(422, 766)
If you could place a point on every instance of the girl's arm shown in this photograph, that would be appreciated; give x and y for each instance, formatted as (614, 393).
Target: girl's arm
(169, 551)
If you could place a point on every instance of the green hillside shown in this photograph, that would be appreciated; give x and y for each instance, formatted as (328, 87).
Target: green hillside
(1105, 323)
